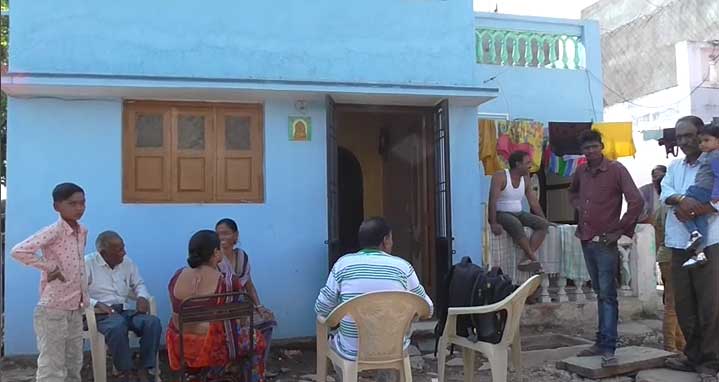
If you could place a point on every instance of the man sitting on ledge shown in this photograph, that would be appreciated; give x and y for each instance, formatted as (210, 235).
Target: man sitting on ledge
(508, 189)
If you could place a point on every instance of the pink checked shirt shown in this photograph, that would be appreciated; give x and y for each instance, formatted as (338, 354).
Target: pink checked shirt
(61, 247)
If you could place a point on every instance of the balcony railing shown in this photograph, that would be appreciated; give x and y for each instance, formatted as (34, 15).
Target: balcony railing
(529, 49)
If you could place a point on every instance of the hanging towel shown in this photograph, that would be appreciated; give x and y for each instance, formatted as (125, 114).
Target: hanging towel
(521, 135)
(564, 137)
(652, 135)
(573, 265)
(617, 139)
(505, 148)
(488, 146)
(563, 166)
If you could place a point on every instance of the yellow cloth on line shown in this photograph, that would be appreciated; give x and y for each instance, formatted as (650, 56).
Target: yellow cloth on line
(488, 146)
(617, 138)
(528, 133)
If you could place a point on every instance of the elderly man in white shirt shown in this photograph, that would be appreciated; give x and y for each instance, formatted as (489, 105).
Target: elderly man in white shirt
(112, 279)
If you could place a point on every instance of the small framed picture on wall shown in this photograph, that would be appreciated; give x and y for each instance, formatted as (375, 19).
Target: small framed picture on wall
(300, 129)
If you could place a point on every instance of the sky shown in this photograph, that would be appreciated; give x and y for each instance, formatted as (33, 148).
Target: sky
(564, 9)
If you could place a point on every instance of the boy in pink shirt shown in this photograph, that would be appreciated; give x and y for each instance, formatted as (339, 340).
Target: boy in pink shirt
(58, 315)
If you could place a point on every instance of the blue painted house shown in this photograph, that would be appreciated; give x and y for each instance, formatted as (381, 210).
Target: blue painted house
(295, 118)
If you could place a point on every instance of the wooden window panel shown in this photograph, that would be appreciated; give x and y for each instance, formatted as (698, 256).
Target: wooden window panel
(240, 155)
(192, 154)
(146, 153)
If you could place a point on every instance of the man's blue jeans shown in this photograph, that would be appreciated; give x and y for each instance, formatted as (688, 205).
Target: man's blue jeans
(602, 261)
(115, 328)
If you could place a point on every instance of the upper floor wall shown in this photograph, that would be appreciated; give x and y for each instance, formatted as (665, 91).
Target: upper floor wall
(545, 69)
(373, 41)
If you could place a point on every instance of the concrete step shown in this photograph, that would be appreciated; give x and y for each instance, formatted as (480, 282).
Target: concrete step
(631, 359)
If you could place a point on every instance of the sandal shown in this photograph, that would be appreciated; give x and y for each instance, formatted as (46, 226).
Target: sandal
(530, 266)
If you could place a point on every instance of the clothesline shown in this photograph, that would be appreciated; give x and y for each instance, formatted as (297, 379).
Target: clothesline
(499, 137)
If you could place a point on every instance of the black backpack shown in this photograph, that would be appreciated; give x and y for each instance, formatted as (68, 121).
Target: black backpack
(468, 284)
(497, 286)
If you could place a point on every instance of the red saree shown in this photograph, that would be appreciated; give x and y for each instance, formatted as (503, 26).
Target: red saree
(223, 349)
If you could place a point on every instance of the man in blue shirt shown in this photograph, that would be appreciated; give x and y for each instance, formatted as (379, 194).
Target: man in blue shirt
(696, 290)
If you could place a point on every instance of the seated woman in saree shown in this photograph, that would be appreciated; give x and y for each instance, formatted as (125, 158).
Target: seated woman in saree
(236, 261)
(217, 349)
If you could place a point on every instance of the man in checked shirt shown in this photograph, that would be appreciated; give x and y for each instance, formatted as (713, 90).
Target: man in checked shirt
(58, 315)
(596, 192)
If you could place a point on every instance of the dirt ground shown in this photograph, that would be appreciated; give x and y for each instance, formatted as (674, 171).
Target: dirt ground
(296, 361)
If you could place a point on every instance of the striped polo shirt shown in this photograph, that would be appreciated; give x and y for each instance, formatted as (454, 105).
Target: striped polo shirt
(369, 270)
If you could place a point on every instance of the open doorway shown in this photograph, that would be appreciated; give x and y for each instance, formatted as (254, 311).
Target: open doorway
(387, 165)
(351, 198)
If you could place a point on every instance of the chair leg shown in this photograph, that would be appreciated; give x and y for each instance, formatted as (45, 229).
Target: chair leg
(498, 364)
(468, 355)
(99, 358)
(406, 374)
(321, 367)
(349, 373)
(441, 359)
(517, 353)
(322, 352)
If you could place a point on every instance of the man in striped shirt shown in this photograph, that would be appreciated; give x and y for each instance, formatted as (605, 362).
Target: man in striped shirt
(372, 269)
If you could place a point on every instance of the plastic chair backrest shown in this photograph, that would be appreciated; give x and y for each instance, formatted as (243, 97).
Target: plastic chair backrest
(383, 320)
(515, 307)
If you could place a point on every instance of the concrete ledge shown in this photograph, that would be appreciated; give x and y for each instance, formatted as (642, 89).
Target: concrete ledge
(570, 313)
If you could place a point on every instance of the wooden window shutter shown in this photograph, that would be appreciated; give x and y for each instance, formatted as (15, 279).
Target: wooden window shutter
(240, 154)
(146, 153)
(193, 164)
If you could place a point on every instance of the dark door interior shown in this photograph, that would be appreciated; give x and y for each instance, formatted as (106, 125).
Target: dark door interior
(351, 200)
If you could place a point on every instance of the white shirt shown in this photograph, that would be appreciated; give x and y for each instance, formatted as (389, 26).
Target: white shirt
(359, 273)
(680, 175)
(510, 199)
(113, 286)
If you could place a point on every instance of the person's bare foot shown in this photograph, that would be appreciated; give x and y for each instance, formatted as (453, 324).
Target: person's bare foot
(144, 376)
(124, 376)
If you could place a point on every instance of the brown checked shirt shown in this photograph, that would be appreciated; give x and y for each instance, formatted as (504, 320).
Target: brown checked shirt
(596, 193)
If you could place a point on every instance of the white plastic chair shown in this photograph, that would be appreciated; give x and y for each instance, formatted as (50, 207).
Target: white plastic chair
(383, 319)
(98, 349)
(496, 353)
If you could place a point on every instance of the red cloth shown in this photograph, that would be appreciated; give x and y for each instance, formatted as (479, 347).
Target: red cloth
(505, 147)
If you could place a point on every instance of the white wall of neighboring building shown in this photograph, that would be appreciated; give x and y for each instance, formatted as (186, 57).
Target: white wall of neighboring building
(692, 96)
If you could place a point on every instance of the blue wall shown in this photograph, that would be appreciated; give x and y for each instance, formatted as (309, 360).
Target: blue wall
(410, 42)
(404, 41)
(467, 183)
(53, 141)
